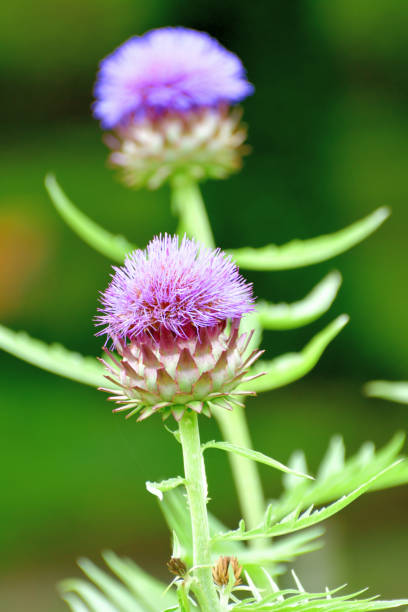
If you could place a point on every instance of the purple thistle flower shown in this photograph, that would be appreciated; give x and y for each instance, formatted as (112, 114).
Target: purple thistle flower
(166, 70)
(174, 286)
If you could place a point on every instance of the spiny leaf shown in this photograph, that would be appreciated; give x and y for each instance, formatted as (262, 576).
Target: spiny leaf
(299, 253)
(302, 601)
(289, 316)
(394, 391)
(292, 366)
(296, 521)
(248, 453)
(52, 357)
(332, 482)
(113, 247)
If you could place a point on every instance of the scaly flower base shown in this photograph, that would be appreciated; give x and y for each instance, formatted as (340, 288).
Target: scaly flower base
(169, 374)
(199, 144)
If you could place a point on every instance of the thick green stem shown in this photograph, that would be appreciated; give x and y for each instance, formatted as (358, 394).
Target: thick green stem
(196, 486)
(188, 204)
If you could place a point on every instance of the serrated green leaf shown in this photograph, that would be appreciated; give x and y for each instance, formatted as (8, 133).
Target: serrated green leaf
(395, 391)
(299, 253)
(116, 593)
(283, 550)
(314, 305)
(53, 357)
(113, 247)
(328, 601)
(158, 488)
(296, 521)
(292, 366)
(333, 461)
(248, 453)
(297, 462)
(331, 484)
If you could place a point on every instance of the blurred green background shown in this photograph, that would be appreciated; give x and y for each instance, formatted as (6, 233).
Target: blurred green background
(329, 131)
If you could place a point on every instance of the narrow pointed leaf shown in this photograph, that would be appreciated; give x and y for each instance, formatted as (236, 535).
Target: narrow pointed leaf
(299, 253)
(151, 593)
(75, 604)
(291, 525)
(314, 305)
(388, 390)
(254, 456)
(52, 357)
(116, 592)
(92, 597)
(112, 246)
(292, 366)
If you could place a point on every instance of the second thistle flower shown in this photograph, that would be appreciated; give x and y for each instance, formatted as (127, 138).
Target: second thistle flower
(172, 313)
(167, 96)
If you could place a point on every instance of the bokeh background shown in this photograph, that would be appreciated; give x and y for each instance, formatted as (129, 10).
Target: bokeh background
(329, 131)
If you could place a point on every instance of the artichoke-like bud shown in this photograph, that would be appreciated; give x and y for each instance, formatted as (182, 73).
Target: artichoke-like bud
(169, 374)
(166, 97)
(172, 313)
(199, 144)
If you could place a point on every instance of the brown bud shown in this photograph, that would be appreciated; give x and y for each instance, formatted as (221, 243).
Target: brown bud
(177, 567)
(220, 571)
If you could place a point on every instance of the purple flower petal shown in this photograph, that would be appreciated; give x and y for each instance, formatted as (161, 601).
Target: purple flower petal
(167, 70)
(175, 285)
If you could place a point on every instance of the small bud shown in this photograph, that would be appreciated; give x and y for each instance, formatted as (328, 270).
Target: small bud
(220, 571)
(177, 567)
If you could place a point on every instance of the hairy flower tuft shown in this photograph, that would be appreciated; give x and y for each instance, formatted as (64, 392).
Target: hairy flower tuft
(175, 285)
(172, 313)
(167, 69)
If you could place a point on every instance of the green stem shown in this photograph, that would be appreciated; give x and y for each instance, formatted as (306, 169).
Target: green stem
(189, 206)
(234, 429)
(196, 486)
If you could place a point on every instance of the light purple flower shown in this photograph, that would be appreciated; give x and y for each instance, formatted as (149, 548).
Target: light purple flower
(167, 70)
(172, 285)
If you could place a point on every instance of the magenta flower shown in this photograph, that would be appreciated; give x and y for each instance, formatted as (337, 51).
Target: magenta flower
(167, 70)
(166, 312)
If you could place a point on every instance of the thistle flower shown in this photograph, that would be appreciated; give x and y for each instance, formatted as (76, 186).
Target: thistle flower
(172, 313)
(166, 94)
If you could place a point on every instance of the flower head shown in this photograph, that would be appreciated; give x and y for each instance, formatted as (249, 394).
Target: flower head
(166, 312)
(173, 285)
(167, 70)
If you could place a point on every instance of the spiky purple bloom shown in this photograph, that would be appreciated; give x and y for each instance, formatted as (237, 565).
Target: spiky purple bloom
(166, 311)
(167, 70)
(175, 285)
